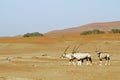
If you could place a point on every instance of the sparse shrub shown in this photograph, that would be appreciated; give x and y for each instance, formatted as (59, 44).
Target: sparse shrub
(95, 31)
(35, 57)
(32, 34)
(44, 54)
(115, 31)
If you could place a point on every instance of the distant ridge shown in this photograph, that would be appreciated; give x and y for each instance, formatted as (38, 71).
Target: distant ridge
(105, 26)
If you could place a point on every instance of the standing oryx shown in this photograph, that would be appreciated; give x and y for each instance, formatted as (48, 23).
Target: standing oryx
(82, 56)
(79, 56)
(103, 55)
(69, 56)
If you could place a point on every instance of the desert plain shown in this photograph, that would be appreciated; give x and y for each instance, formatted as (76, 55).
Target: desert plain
(39, 58)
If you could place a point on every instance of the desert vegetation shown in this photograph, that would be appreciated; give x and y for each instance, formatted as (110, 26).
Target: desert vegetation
(115, 31)
(34, 34)
(95, 31)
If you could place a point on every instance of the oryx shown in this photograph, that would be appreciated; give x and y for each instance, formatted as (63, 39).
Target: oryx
(103, 55)
(81, 57)
(69, 56)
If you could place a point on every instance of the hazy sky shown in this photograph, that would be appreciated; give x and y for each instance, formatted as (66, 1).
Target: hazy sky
(23, 16)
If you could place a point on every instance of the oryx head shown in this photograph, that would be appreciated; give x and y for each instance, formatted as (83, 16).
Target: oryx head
(64, 54)
(98, 52)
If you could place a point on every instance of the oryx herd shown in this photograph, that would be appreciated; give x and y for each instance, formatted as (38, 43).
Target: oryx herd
(80, 57)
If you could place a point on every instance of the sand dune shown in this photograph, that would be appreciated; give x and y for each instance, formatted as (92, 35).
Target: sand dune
(106, 26)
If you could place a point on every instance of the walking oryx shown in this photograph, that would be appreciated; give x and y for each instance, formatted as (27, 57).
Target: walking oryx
(103, 55)
(69, 56)
(81, 57)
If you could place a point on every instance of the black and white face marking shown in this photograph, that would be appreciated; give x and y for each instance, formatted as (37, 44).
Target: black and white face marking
(98, 53)
(63, 55)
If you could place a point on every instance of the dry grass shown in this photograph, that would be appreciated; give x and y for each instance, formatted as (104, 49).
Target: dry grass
(29, 64)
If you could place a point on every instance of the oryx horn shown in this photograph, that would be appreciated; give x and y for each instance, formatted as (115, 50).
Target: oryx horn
(66, 49)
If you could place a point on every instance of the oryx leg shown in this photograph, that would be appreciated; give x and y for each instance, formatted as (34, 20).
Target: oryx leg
(79, 62)
(108, 60)
(100, 62)
(87, 61)
(90, 60)
(71, 62)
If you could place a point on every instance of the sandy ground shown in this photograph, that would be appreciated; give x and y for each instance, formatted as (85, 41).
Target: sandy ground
(39, 58)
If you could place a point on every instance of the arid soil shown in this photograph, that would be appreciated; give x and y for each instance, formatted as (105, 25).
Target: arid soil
(38, 58)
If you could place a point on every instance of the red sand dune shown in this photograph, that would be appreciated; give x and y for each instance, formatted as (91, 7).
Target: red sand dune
(106, 26)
